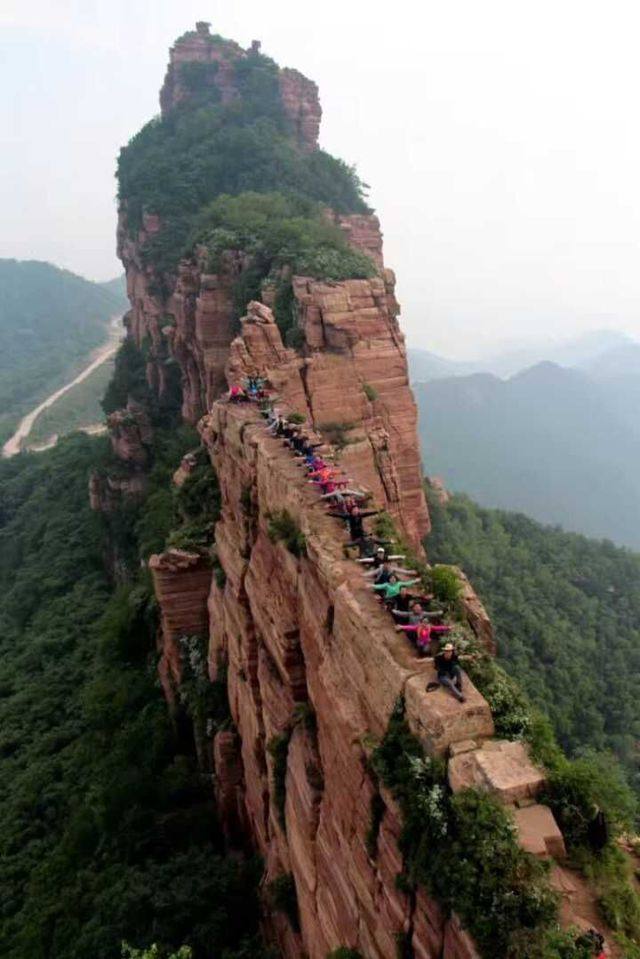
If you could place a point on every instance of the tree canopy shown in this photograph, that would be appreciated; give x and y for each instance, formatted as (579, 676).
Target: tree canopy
(567, 615)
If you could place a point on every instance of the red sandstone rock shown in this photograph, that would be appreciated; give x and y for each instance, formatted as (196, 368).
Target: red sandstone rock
(302, 637)
(362, 230)
(502, 768)
(181, 582)
(187, 465)
(354, 321)
(302, 105)
(436, 485)
(108, 493)
(538, 832)
(475, 613)
(229, 787)
(130, 434)
(306, 631)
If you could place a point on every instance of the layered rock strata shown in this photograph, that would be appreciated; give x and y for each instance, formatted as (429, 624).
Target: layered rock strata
(352, 382)
(313, 659)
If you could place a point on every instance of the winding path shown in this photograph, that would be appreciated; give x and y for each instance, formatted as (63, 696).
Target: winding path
(105, 352)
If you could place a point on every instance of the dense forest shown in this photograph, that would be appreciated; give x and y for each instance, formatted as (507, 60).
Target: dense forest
(567, 614)
(50, 320)
(107, 831)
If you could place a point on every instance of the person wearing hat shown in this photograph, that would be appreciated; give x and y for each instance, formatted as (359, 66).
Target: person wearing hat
(448, 670)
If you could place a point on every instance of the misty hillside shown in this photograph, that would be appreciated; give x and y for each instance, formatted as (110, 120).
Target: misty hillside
(50, 320)
(584, 351)
(550, 442)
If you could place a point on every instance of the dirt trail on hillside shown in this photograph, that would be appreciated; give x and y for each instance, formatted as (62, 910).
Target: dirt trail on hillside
(105, 352)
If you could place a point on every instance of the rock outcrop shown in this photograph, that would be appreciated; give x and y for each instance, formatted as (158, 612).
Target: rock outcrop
(200, 59)
(312, 664)
(181, 581)
(352, 383)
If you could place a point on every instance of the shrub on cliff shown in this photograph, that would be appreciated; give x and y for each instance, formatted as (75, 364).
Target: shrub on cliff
(464, 849)
(282, 897)
(279, 231)
(282, 527)
(283, 235)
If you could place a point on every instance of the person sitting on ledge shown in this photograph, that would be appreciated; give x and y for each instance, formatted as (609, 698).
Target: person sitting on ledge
(414, 612)
(237, 394)
(405, 607)
(392, 587)
(382, 574)
(422, 634)
(448, 670)
(254, 386)
(307, 448)
(379, 557)
(354, 520)
(367, 545)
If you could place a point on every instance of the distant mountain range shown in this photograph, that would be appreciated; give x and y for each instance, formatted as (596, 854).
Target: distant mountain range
(581, 351)
(560, 444)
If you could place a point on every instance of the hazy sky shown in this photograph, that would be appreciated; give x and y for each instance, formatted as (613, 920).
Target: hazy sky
(500, 137)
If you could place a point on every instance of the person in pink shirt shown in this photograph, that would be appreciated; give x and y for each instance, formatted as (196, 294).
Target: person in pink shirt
(422, 633)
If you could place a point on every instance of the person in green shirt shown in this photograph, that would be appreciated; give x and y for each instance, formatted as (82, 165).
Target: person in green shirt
(392, 587)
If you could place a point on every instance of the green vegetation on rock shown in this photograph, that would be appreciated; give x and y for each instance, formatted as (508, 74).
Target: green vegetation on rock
(177, 165)
(283, 235)
(464, 850)
(567, 613)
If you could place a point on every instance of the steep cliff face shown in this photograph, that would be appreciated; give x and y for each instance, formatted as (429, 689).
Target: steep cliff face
(314, 669)
(312, 664)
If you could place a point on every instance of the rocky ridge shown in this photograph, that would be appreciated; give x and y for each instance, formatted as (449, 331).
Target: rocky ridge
(312, 666)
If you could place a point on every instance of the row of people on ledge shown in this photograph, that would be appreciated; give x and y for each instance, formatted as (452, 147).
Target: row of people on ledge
(392, 582)
(411, 611)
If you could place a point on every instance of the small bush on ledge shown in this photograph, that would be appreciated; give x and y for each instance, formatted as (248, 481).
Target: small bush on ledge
(464, 850)
(445, 585)
(282, 527)
(336, 433)
(370, 392)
